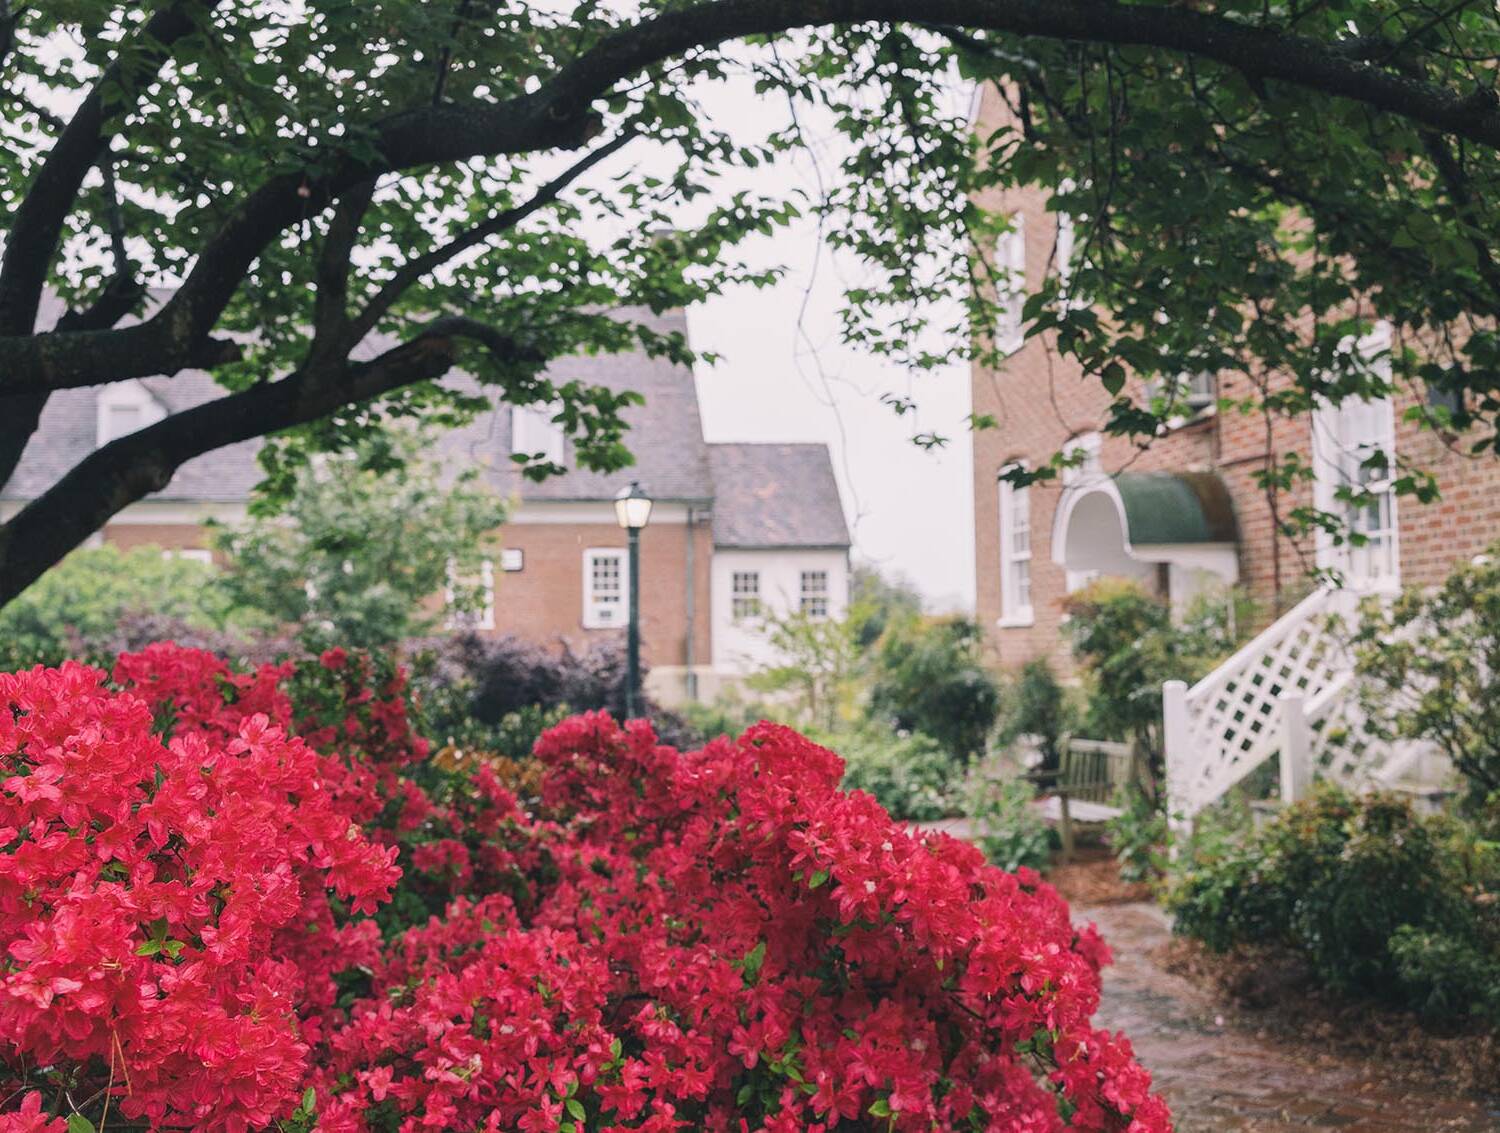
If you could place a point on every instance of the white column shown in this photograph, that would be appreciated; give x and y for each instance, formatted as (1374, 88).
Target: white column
(1177, 746)
(1296, 751)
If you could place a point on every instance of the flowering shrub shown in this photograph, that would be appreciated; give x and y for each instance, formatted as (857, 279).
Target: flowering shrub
(718, 939)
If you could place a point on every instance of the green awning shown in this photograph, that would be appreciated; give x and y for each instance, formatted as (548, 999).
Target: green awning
(1176, 507)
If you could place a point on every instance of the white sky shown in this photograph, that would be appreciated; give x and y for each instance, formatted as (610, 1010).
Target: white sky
(910, 510)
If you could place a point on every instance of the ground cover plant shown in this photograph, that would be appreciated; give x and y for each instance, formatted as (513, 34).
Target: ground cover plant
(237, 900)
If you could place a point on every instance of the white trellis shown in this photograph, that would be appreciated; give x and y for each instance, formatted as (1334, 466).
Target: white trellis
(1289, 691)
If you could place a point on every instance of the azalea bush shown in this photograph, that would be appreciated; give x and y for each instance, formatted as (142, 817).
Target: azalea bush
(241, 900)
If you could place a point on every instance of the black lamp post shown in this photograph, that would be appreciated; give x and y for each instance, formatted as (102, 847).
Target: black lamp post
(632, 511)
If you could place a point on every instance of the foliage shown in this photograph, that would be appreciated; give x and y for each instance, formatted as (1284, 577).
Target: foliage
(912, 775)
(1318, 141)
(1010, 830)
(929, 677)
(670, 939)
(498, 694)
(878, 601)
(1035, 704)
(1430, 668)
(366, 549)
(1138, 836)
(1129, 644)
(1376, 899)
(818, 663)
(76, 607)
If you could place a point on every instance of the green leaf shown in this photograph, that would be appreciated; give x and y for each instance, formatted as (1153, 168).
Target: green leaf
(77, 1123)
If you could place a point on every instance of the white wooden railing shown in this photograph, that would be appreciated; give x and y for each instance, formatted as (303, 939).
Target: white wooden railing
(1289, 692)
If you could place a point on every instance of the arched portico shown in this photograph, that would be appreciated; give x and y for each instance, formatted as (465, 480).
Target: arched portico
(1132, 524)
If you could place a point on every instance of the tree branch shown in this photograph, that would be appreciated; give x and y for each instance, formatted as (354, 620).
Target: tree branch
(418, 266)
(331, 307)
(132, 467)
(559, 115)
(36, 225)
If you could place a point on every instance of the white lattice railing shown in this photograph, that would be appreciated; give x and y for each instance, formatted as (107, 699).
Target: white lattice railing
(1236, 718)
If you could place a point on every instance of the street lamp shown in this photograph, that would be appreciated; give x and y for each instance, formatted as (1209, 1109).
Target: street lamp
(632, 511)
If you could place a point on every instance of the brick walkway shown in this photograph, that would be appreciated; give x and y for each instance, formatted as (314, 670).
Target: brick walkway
(1220, 1077)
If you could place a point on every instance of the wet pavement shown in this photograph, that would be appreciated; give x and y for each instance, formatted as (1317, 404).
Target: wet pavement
(1220, 1076)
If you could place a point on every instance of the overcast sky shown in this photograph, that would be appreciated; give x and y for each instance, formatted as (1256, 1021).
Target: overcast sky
(910, 510)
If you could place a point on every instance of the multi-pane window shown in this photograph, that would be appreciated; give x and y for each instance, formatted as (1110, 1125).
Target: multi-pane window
(814, 593)
(471, 596)
(1010, 268)
(1015, 553)
(605, 594)
(1354, 455)
(1185, 394)
(744, 594)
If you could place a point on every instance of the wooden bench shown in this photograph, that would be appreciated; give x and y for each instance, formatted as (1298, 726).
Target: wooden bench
(1084, 788)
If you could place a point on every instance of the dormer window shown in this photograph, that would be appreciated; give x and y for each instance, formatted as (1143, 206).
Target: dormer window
(534, 434)
(125, 408)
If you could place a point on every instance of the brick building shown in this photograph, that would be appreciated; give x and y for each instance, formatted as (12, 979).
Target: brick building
(1186, 512)
(737, 530)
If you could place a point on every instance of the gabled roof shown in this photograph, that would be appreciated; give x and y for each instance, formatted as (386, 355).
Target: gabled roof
(776, 495)
(666, 435)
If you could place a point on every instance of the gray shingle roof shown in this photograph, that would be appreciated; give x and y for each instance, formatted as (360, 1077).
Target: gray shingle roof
(776, 495)
(666, 435)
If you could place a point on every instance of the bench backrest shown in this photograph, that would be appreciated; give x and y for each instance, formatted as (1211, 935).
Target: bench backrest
(1094, 770)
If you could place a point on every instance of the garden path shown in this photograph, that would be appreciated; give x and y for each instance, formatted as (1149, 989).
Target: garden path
(1220, 1076)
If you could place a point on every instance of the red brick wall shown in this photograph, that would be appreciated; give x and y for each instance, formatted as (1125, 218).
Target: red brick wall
(544, 600)
(1040, 400)
(167, 536)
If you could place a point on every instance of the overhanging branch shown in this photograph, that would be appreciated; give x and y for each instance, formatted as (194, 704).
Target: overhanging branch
(558, 114)
(134, 466)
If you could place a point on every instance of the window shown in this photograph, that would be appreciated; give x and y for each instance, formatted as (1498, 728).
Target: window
(605, 588)
(533, 433)
(1010, 266)
(1015, 553)
(481, 613)
(122, 408)
(1188, 394)
(744, 594)
(1067, 240)
(814, 599)
(191, 554)
(1354, 458)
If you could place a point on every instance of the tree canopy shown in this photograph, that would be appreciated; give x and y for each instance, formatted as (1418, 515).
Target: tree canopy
(331, 204)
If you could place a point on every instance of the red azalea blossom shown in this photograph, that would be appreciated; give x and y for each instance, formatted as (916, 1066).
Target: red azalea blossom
(713, 940)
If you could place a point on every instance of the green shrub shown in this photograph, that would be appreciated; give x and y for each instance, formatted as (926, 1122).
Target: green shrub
(1036, 704)
(1376, 899)
(1009, 829)
(81, 603)
(929, 677)
(910, 775)
(1428, 666)
(1138, 837)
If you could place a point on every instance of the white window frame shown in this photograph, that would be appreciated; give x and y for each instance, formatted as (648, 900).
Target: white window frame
(1010, 265)
(190, 554)
(744, 604)
(599, 612)
(810, 595)
(533, 432)
(1015, 564)
(484, 617)
(124, 395)
(1343, 437)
